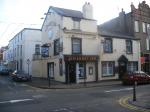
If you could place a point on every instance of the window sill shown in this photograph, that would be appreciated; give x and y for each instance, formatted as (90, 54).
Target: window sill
(109, 75)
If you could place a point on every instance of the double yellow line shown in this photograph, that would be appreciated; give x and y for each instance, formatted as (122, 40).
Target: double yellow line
(124, 102)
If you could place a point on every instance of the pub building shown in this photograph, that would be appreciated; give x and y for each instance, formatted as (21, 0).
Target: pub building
(70, 46)
(81, 68)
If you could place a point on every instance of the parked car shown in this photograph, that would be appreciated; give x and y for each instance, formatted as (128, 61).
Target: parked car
(4, 70)
(139, 76)
(20, 76)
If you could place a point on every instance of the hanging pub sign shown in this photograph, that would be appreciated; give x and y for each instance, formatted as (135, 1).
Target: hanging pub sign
(45, 50)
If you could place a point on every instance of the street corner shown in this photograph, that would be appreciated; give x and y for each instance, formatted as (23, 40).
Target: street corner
(127, 102)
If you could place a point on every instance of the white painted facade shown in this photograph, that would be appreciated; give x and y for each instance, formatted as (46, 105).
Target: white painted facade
(57, 26)
(62, 28)
(22, 48)
(119, 49)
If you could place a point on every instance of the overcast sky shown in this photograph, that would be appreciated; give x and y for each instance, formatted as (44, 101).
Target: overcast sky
(18, 14)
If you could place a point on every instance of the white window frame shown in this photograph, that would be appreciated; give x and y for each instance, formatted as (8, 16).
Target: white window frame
(37, 49)
(108, 70)
(76, 24)
(144, 27)
(136, 26)
(147, 44)
(132, 66)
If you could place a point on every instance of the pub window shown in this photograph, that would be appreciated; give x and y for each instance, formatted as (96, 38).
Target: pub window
(108, 46)
(56, 46)
(136, 26)
(144, 27)
(90, 70)
(108, 68)
(128, 46)
(82, 70)
(76, 46)
(37, 49)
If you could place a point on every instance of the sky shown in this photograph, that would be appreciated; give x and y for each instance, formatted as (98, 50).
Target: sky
(18, 14)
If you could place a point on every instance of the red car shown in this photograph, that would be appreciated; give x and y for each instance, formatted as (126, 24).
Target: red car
(139, 76)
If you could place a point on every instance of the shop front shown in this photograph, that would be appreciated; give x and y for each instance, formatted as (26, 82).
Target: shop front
(81, 68)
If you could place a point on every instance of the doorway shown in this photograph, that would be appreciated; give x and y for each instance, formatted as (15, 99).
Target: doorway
(50, 70)
(122, 69)
(72, 72)
(122, 61)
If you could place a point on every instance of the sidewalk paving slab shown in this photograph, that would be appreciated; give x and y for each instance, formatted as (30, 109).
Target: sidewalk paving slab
(44, 84)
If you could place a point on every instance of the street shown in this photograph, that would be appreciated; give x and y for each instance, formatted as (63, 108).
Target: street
(19, 97)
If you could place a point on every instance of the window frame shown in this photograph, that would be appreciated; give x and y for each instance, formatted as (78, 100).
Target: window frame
(133, 67)
(131, 47)
(144, 27)
(136, 26)
(37, 53)
(90, 70)
(80, 43)
(107, 67)
(111, 45)
(56, 47)
(84, 68)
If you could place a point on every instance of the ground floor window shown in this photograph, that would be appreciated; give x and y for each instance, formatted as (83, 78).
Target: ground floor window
(132, 66)
(107, 68)
(81, 70)
(51, 70)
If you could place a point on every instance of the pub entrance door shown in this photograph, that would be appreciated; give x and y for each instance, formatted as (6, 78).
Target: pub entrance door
(72, 72)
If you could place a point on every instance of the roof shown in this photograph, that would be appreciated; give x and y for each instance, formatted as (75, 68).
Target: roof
(23, 30)
(67, 12)
(113, 34)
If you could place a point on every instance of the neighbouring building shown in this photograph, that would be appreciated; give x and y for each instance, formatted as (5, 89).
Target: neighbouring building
(70, 51)
(2, 55)
(136, 24)
(21, 49)
(120, 54)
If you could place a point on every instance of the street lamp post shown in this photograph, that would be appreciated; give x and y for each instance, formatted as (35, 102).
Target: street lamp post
(28, 63)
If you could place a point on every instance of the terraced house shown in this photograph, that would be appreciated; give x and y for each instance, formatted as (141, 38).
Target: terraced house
(137, 25)
(74, 49)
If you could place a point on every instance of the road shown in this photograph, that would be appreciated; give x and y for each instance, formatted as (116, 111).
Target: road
(19, 97)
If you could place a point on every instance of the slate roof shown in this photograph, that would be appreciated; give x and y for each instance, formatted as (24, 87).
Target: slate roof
(68, 12)
(111, 34)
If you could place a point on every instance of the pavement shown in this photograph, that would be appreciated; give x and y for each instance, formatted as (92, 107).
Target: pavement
(142, 103)
(45, 84)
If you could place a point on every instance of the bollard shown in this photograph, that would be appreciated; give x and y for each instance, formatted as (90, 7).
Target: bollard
(134, 91)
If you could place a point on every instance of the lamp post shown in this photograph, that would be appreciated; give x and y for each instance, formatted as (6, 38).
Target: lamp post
(28, 63)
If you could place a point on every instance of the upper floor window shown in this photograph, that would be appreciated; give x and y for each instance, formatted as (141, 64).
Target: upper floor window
(20, 50)
(128, 46)
(56, 46)
(148, 29)
(144, 27)
(76, 24)
(136, 26)
(76, 46)
(147, 44)
(37, 49)
(108, 46)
